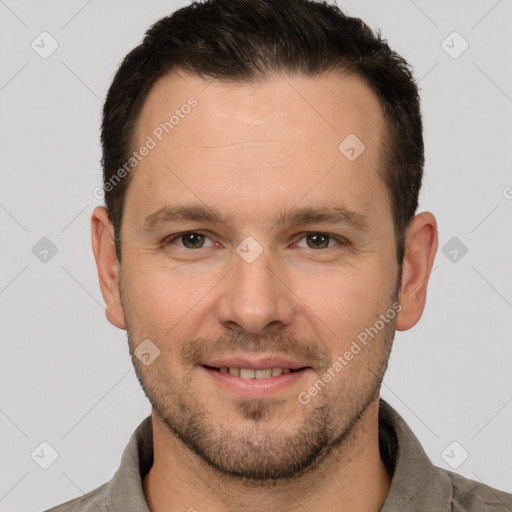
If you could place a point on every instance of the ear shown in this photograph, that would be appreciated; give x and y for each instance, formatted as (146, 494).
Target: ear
(421, 241)
(103, 246)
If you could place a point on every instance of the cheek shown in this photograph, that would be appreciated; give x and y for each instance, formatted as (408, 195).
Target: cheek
(162, 298)
(344, 299)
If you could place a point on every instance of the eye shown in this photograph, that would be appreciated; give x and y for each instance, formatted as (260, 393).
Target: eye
(198, 240)
(321, 240)
(190, 240)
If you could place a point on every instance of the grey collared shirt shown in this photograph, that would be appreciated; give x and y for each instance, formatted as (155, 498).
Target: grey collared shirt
(417, 485)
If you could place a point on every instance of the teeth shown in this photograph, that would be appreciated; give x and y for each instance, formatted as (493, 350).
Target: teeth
(249, 373)
(263, 374)
(246, 373)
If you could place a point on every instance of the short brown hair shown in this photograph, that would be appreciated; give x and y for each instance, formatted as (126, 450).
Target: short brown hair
(247, 40)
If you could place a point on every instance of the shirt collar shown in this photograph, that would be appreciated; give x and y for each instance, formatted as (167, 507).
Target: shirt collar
(416, 483)
(125, 492)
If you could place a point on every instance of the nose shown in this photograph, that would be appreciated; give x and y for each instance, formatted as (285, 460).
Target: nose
(255, 297)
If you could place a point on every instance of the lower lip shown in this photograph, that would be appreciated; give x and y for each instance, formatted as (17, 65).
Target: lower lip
(255, 388)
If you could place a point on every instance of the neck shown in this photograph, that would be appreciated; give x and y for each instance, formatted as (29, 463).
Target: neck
(351, 476)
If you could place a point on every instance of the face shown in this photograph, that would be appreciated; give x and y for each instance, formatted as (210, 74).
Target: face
(250, 241)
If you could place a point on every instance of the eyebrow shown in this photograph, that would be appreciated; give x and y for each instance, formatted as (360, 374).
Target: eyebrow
(296, 216)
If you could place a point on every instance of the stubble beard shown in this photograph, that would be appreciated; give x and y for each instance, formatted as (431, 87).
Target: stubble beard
(255, 455)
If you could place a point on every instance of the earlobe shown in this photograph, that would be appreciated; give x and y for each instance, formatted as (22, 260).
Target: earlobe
(107, 264)
(420, 249)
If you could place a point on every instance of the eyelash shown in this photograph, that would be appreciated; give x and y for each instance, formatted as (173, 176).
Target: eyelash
(341, 241)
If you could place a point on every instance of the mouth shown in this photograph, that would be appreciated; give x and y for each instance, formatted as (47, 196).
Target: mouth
(256, 380)
(251, 373)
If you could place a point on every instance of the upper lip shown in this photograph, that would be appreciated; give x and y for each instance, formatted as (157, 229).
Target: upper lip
(256, 363)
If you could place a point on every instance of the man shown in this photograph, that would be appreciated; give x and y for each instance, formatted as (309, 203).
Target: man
(262, 165)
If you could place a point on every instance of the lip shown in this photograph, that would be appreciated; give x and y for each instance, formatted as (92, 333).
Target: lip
(255, 388)
(255, 363)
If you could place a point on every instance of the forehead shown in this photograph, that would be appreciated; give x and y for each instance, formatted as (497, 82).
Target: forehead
(324, 107)
(281, 139)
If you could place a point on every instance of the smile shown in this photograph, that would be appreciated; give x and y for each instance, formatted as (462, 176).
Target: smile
(254, 383)
(249, 373)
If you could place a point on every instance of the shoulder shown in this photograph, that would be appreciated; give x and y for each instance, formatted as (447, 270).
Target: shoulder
(93, 501)
(472, 496)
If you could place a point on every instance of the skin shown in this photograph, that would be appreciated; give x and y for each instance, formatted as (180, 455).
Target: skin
(252, 151)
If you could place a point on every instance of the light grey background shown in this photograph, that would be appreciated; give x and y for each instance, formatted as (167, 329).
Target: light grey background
(66, 377)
